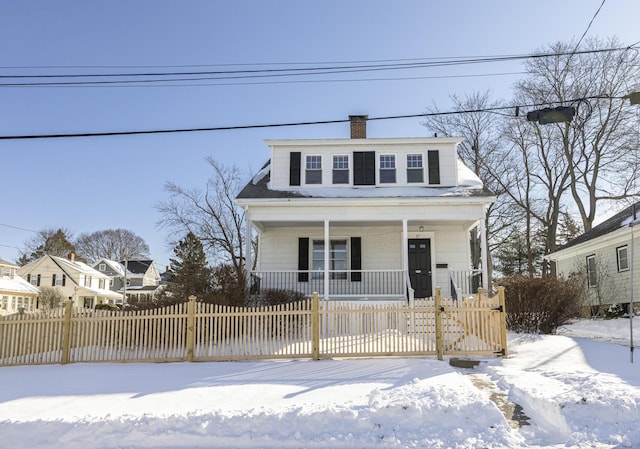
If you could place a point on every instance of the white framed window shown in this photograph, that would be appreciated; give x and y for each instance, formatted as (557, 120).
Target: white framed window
(58, 278)
(33, 279)
(415, 168)
(3, 302)
(313, 169)
(340, 169)
(102, 267)
(338, 259)
(87, 281)
(622, 254)
(592, 278)
(387, 168)
(6, 272)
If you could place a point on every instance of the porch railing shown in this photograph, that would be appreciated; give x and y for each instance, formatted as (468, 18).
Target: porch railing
(357, 284)
(465, 282)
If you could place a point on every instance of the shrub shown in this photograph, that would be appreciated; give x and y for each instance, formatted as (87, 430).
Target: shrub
(275, 297)
(540, 305)
(111, 307)
(614, 311)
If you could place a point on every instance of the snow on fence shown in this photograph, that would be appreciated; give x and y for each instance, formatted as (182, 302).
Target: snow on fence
(307, 329)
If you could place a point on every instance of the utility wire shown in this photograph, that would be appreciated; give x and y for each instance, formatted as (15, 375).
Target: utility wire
(301, 71)
(17, 227)
(278, 125)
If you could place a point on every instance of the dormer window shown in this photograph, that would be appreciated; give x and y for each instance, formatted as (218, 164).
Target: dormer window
(313, 170)
(341, 169)
(415, 169)
(387, 168)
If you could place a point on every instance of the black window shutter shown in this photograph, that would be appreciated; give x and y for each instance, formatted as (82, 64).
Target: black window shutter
(38, 280)
(303, 259)
(53, 280)
(64, 279)
(294, 168)
(29, 278)
(364, 168)
(356, 259)
(434, 166)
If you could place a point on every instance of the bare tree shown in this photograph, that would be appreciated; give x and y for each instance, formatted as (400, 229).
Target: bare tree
(597, 144)
(211, 215)
(113, 244)
(49, 298)
(480, 151)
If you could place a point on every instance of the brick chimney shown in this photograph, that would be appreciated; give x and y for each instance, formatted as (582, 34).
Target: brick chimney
(72, 257)
(358, 126)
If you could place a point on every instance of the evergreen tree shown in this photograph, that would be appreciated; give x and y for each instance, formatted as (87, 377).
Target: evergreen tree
(191, 273)
(48, 241)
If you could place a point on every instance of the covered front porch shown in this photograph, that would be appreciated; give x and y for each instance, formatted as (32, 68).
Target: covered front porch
(393, 260)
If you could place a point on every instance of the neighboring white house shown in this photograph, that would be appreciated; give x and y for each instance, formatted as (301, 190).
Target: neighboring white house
(396, 213)
(603, 258)
(16, 294)
(142, 277)
(77, 281)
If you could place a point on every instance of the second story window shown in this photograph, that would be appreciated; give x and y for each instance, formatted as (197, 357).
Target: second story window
(341, 169)
(313, 170)
(415, 170)
(387, 168)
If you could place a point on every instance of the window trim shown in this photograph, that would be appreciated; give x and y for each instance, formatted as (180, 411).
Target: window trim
(335, 274)
(416, 169)
(591, 274)
(313, 170)
(341, 170)
(626, 258)
(387, 170)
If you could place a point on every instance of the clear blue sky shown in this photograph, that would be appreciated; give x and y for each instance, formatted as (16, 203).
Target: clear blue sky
(91, 184)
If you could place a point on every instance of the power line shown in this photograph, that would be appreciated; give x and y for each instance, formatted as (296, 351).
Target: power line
(17, 227)
(274, 72)
(279, 125)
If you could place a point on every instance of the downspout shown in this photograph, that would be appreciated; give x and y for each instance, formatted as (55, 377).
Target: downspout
(248, 263)
(483, 254)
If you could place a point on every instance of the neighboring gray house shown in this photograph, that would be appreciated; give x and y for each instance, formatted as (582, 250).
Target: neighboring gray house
(602, 258)
(143, 278)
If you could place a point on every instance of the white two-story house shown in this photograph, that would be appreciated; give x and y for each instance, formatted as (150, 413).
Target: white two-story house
(365, 218)
(75, 280)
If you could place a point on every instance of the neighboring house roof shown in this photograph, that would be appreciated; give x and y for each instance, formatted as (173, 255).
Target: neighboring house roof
(17, 285)
(115, 266)
(469, 185)
(4, 262)
(620, 220)
(137, 266)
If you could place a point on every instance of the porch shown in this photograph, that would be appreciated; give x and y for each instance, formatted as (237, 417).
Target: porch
(394, 285)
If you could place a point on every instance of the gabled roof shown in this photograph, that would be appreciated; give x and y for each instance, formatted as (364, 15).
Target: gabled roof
(469, 185)
(115, 266)
(618, 221)
(4, 262)
(67, 266)
(137, 266)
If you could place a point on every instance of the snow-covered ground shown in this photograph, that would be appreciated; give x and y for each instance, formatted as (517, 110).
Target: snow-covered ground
(577, 391)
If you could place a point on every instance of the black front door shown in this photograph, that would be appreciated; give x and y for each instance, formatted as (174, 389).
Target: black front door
(420, 267)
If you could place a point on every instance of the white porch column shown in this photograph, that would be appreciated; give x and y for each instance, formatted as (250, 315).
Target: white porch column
(326, 259)
(483, 255)
(405, 238)
(247, 246)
